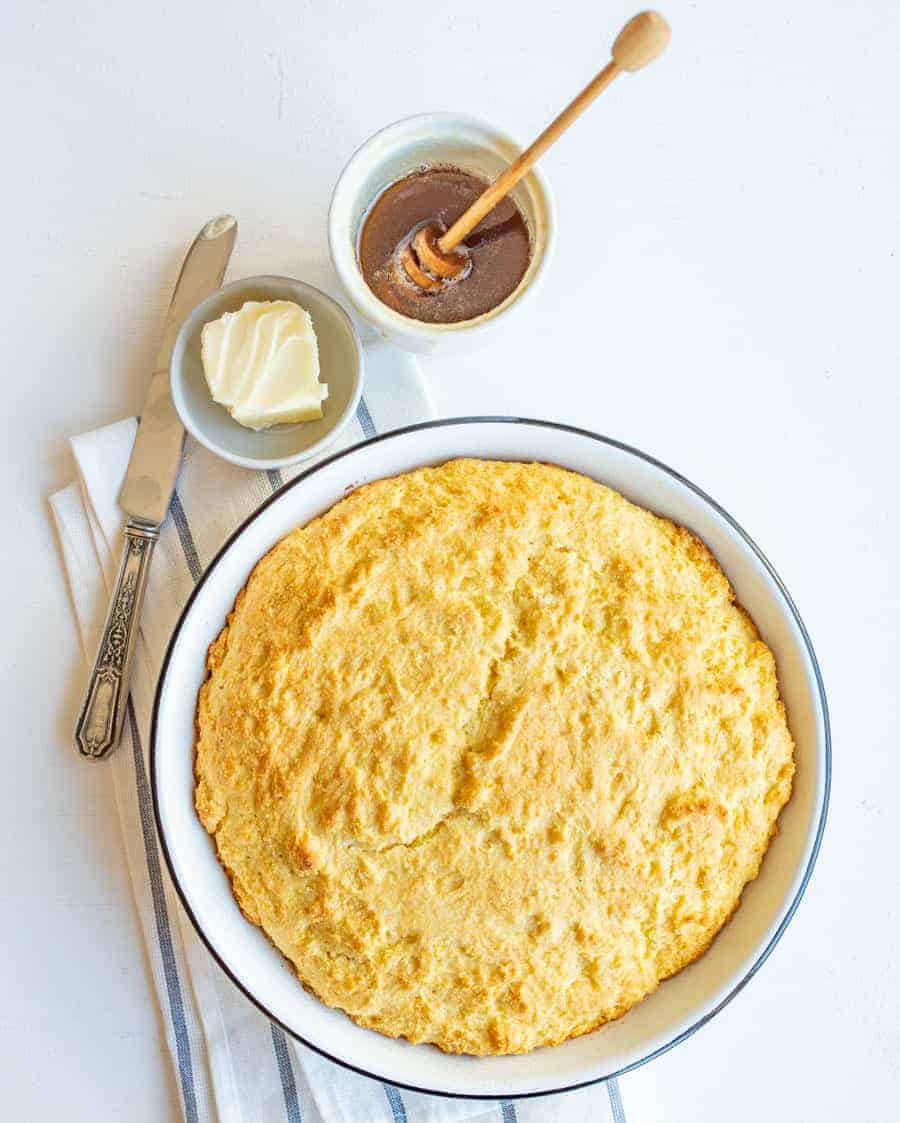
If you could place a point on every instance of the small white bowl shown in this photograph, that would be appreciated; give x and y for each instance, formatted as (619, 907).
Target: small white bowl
(434, 139)
(341, 361)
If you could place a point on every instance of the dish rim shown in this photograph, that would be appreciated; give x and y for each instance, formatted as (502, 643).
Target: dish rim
(794, 612)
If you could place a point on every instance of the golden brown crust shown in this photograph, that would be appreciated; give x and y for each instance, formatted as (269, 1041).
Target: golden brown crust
(488, 752)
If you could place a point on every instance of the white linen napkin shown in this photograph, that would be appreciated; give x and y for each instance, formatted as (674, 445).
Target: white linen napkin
(232, 1065)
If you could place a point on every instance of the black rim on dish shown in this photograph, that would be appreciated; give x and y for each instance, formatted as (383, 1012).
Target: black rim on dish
(767, 565)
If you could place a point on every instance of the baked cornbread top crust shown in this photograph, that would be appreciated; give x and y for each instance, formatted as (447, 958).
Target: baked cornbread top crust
(488, 751)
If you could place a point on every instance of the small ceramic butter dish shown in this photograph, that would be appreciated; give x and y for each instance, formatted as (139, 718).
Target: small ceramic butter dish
(341, 368)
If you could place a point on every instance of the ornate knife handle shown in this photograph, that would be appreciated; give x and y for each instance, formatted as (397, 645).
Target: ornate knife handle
(100, 721)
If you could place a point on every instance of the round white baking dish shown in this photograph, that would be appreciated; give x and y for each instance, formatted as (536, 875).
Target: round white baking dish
(682, 1004)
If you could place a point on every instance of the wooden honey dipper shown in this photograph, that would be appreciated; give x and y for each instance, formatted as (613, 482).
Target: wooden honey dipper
(434, 257)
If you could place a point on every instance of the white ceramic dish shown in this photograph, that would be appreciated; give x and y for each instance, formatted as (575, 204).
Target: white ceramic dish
(340, 359)
(395, 151)
(681, 1004)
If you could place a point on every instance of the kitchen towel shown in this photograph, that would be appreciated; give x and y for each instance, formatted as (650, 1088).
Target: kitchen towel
(231, 1064)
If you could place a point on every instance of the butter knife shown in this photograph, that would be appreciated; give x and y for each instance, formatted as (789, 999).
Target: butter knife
(145, 496)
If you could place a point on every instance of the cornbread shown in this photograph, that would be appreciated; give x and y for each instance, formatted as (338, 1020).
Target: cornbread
(488, 752)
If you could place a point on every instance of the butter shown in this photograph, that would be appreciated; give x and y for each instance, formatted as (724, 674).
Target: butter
(262, 364)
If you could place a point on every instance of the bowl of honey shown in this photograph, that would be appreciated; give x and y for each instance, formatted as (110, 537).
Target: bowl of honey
(421, 171)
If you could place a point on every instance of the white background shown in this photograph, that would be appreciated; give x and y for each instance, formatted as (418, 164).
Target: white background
(725, 296)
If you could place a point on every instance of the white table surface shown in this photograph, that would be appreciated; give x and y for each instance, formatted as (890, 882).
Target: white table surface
(734, 313)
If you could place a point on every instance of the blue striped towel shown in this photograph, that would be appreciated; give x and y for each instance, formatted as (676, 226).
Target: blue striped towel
(232, 1065)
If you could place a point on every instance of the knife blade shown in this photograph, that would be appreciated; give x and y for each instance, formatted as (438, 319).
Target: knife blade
(156, 456)
(145, 496)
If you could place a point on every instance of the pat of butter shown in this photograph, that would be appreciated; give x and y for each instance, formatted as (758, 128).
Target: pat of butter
(262, 364)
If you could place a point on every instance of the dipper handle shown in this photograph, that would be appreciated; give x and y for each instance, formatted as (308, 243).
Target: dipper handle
(639, 42)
